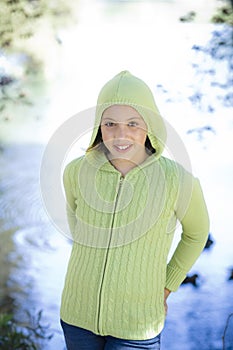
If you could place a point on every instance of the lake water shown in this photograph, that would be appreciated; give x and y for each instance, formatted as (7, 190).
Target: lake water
(190, 89)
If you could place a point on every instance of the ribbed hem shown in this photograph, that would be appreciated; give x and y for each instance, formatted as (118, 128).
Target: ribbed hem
(174, 278)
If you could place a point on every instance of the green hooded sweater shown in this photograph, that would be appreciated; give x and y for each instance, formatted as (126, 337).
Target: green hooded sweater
(123, 227)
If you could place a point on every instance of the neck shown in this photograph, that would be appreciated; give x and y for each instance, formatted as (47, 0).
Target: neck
(125, 165)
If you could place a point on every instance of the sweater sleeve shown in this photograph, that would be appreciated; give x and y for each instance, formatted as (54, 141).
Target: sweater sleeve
(69, 187)
(195, 228)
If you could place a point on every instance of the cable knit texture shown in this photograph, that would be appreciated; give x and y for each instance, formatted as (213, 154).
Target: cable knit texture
(123, 229)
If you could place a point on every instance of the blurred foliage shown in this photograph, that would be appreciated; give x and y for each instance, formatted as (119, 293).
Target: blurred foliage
(22, 337)
(217, 50)
(19, 18)
(28, 35)
(224, 14)
(19, 91)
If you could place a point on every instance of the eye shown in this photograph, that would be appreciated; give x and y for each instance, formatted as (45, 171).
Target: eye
(132, 124)
(109, 124)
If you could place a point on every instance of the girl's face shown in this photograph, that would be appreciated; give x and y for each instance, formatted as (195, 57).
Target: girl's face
(124, 133)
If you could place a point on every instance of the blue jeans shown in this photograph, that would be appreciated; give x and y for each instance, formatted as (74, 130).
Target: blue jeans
(81, 339)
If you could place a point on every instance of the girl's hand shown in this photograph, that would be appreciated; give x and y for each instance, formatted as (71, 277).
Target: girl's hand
(166, 294)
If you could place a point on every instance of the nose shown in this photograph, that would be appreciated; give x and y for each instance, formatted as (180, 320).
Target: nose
(121, 131)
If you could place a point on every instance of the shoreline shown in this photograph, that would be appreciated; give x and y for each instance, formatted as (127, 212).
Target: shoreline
(7, 247)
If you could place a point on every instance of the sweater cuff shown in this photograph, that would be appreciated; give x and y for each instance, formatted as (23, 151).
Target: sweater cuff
(174, 278)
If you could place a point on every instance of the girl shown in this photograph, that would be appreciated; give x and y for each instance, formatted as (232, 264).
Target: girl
(123, 201)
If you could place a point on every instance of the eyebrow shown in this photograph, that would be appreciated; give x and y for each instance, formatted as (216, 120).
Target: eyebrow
(112, 119)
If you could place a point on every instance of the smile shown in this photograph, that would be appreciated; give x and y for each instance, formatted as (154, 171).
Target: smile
(122, 147)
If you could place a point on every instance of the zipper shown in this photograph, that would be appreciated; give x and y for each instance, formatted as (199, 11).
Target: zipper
(106, 257)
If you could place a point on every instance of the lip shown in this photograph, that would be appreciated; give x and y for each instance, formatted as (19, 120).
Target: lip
(122, 148)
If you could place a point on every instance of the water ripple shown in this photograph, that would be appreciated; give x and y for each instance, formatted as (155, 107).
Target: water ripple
(20, 200)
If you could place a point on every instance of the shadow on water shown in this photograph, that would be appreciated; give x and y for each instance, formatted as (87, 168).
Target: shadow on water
(29, 245)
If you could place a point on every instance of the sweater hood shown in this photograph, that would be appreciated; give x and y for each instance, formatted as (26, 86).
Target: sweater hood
(126, 89)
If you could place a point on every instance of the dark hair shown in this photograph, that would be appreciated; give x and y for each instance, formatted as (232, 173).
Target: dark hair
(98, 142)
(99, 145)
(149, 147)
